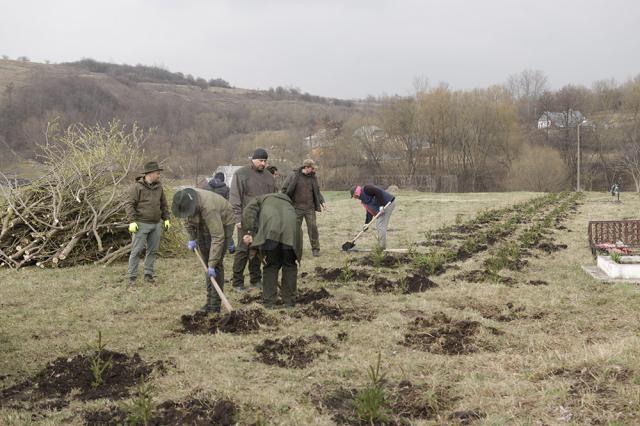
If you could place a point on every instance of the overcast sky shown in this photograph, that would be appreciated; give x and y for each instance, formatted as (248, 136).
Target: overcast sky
(346, 49)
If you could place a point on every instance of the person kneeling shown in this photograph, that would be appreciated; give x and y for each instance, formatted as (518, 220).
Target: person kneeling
(270, 226)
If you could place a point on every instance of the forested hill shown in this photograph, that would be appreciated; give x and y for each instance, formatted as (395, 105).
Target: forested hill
(198, 123)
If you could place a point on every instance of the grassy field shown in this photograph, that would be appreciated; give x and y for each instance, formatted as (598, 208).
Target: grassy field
(564, 352)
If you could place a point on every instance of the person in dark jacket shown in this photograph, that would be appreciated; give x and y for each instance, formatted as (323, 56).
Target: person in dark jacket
(374, 199)
(147, 210)
(270, 225)
(303, 189)
(209, 221)
(217, 185)
(248, 182)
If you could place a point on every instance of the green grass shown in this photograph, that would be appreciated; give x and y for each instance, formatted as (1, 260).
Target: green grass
(540, 363)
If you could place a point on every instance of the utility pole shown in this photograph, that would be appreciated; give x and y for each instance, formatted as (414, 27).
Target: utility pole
(578, 162)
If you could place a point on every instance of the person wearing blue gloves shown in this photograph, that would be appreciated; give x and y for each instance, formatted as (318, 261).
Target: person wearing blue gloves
(208, 218)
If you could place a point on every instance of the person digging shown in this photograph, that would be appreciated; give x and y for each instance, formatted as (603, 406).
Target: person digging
(208, 217)
(377, 203)
(147, 212)
(271, 228)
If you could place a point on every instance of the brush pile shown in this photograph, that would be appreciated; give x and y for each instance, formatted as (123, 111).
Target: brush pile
(75, 213)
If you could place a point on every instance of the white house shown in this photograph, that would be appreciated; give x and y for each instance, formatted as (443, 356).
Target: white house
(560, 120)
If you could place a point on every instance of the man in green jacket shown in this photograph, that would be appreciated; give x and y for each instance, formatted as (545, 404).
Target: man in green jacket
(146, 206)
(271, 227)
(248, 182)
(303, 189)
(208, 216)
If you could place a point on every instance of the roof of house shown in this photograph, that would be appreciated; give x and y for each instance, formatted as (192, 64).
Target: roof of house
(569, 118)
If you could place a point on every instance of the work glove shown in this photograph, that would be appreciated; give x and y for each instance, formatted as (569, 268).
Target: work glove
(381, 211)
(167, 225)
(365, 226)
(133, 227)
(191, 245)
(211, 272)
(232, 247)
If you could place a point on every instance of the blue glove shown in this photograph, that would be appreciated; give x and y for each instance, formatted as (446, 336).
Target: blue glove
(191, 245)
(211, 272)
(232, 247)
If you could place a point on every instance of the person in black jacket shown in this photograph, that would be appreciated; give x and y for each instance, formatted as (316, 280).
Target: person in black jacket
(303, 189)
(375, 200)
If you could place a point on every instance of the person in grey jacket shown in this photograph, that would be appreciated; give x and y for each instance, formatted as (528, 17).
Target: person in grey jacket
(248, 182)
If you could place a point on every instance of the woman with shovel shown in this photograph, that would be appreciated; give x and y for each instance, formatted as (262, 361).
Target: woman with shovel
(377, 203)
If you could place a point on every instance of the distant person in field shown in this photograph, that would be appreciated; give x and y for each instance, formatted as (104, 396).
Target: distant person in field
(209, 223)
(217, 184)
(147, 213)
(303, 189)
(248, 182)
(374, 199)
(270, 226)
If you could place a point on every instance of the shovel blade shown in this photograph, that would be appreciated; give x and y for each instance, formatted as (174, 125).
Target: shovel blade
(348, 245)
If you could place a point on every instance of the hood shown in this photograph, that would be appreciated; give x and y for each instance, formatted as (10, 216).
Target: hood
(215, 183)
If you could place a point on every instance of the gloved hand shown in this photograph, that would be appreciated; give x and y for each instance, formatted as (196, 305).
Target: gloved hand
(133, 227)
(232, 247)
(381, 211)
(167, 225)
(211, 272)
(365, 226)
(191, 245)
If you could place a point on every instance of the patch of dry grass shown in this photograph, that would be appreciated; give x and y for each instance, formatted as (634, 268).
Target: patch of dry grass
(570, 355)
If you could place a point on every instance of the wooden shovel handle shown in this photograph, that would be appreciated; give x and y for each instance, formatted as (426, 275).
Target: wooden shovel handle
(223, 298)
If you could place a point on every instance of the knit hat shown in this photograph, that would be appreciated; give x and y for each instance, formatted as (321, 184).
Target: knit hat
(260, 154)
(184, 203)
(309, 163)
(219, 176)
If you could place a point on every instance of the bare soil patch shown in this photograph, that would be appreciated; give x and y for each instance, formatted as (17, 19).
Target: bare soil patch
(335, 274)
(50, 387)
(442, 335)
(304, 296)
(235, 322)
(290, 352)
(415, 283)
(195, 411)
(387, 261)
(334, 311)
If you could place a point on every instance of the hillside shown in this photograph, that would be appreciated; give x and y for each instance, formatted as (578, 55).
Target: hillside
(195, 124)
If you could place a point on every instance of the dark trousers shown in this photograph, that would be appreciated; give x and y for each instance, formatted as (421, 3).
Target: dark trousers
(309, 216)
(279, 257)
(212, 303)
(240, 260)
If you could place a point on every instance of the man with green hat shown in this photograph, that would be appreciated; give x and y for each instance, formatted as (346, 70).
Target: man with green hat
(271, 226)
(209, 219)
(147, 211)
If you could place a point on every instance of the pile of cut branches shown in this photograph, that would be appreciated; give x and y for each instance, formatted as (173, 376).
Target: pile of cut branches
(75, 213)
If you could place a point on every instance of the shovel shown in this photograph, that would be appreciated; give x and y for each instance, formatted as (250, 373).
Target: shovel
(223, 298)
(351, 244)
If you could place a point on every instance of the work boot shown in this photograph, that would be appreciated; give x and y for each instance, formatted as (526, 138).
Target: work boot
(257, 285)
(149, 279)
(316, 253)
(132, 281)
(238, 289)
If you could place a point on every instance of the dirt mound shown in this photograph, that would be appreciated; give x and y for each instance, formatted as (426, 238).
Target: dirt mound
(290, 352)
(483, 276)
(333, 311)
(307, 295)
(404, 402)
(549, 247)
(235, 322)
(441, 335)
(537, 282)
(50, 387)
(416, 283)
(341, 274)
(196, 412)
(386, 261)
